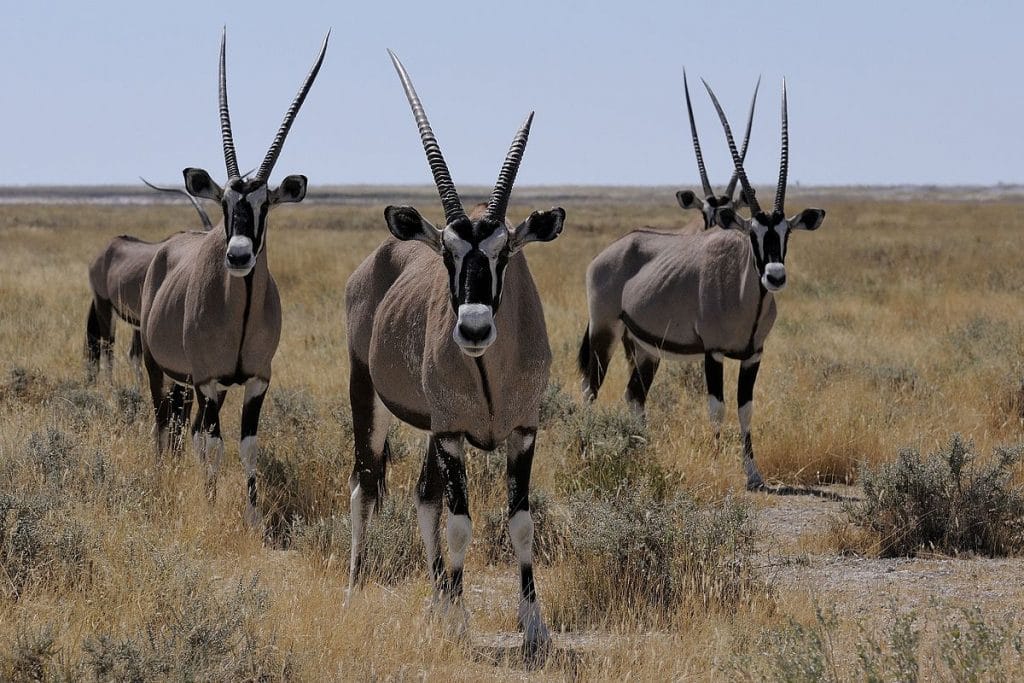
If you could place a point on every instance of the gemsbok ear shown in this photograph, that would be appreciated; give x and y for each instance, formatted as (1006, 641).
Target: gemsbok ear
(808, 219)
(688, 199)
(406, 223)
(729, 219)
(540, 226)
(199, 184)
(291, 190)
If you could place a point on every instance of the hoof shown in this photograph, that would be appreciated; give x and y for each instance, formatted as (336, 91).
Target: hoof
(756, 484)
(536, 637)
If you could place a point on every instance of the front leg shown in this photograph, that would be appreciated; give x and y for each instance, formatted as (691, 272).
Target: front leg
(452, 460)
(716, 396)
(745, 400)
(429, 491)
(519, 449)
(255, 392)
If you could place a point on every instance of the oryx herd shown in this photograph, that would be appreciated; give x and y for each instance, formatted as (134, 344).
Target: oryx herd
(445, 325)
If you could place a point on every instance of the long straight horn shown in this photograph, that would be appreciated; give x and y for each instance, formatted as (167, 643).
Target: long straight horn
(225, 118)
(748, 192)
(731, 187)
(708, 192)
(498, 203)
(780, 190)
(289, 117)
(207, 225)
(442, 178)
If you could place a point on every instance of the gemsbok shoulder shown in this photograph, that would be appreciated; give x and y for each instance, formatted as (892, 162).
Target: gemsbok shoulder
(211, 313)
(446, 332)
(712, 202)
(116, 275)
(710, 293)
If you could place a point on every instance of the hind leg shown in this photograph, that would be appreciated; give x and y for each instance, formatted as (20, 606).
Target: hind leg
(595, 354)
(716, 397)
(161, 404)
(645, 366)
(135, 355)
(99, 337)
(429, 492)
(370, 423)
(206, 436)
(181, 408)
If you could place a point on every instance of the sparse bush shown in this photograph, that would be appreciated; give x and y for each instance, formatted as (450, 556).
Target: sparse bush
(129, 404)
(32, 657)
(636, 559)
(556, 405)
(394, 551)
(608, 454)
(949, 502)
(39, 544)
(292, 408)
(202, 635)
(550, 529)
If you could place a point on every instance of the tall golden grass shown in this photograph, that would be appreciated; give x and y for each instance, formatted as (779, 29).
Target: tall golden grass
(901, 325)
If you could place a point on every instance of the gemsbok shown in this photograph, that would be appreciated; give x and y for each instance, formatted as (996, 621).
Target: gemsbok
(710, 293)
(711, 203)
(211, 313)
(446, 332)
(116, 275)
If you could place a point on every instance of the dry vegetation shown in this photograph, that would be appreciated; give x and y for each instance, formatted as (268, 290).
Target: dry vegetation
(901, 326)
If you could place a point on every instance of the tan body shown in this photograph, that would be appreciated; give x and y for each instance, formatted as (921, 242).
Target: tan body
(188, 295)
(694, 291)
(399, 322)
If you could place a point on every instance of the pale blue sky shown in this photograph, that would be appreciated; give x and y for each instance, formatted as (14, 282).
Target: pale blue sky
(879, 92)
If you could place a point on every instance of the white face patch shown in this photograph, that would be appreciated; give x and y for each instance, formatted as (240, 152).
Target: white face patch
(759, 232)
(492, 248)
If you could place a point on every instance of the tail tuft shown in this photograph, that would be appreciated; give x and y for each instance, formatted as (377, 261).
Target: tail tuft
(583, 361)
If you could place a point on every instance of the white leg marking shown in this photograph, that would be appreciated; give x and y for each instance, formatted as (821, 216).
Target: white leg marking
(428, 516)
(520, 529)
(381, 424)
(359, 519)
(746, 412)
(460, 534)
(716, 411)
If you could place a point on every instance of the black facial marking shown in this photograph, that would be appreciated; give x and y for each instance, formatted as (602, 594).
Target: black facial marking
(473, 283)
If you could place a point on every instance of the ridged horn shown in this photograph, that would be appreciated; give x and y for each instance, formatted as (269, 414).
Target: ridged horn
(230, 160)
(731, 187)
(438, 168)
(263, 174)
(780, 190)
(203, 216)
(708, 192)
(498, 203)
(748, 192)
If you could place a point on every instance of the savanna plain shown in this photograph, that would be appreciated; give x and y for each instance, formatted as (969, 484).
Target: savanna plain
(888, 414)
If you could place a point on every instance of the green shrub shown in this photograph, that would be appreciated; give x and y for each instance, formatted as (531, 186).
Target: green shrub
(949, 502)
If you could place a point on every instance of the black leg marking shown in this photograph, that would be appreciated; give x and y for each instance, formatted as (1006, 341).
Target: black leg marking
(135, 352)
(370, 468)
(644, 368)
(713, 377)
(180, 398)
(745, 388)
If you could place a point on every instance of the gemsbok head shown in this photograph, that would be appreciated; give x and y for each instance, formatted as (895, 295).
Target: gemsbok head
(211, 312)
(446, 332)
(769, 232)
(712, 203)
(675, 296)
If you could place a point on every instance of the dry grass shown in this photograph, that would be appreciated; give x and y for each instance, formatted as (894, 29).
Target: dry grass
(900, 326)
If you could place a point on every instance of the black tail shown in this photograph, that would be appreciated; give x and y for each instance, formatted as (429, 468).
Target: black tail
(583, 360)
(99, 335)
